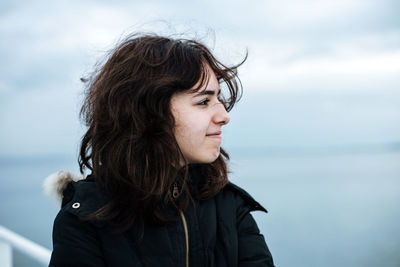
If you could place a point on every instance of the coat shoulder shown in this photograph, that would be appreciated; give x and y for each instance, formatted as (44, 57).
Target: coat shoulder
(78, 195)
(245, 196)
(83, 197)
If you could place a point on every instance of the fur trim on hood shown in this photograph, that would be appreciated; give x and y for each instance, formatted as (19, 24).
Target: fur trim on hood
(55, 183)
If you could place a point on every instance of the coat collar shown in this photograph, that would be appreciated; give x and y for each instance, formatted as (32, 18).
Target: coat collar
(81, 196)
(254, 205)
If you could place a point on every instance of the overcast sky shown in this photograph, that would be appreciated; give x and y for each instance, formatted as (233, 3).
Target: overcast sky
(295, 47)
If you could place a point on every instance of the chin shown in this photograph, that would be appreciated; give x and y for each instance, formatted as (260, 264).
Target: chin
(211, 158)
(205, 159)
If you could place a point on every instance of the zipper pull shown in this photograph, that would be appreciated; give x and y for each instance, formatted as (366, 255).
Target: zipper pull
(175, 191)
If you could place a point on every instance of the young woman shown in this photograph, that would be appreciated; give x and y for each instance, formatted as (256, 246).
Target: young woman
(158, 194)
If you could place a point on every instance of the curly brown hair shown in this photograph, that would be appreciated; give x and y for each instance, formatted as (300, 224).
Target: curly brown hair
(130, 145)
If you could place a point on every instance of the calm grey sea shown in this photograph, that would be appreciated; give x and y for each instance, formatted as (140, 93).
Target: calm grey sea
(325, 210)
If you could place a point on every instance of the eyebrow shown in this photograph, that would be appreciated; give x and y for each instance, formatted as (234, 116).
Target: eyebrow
(208, 92)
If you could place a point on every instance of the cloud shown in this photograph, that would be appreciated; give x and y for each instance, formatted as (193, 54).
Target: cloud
(384, 63)
(294, 46)
(358, 64)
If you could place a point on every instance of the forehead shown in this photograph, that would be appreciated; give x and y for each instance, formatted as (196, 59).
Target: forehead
(207, 83)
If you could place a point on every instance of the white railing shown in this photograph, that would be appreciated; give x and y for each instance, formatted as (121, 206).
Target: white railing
(9, 239)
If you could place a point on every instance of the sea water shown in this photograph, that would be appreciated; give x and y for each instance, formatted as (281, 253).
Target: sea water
(325, 210)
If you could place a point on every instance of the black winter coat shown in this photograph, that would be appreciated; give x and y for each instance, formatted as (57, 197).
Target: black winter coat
(221, 232)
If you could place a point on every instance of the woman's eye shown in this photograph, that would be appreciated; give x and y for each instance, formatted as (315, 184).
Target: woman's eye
(204, 102)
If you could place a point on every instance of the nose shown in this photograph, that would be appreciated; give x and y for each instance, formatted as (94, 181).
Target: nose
(221, 116)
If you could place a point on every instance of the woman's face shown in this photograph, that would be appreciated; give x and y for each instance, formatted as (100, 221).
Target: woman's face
(199, 118)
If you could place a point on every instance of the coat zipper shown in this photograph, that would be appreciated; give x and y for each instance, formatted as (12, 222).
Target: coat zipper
(175, 195)
(186, 237)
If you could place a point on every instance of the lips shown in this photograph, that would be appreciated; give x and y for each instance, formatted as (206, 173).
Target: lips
(214, 134)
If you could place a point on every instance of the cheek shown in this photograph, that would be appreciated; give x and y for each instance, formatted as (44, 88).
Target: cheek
(190, 131)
